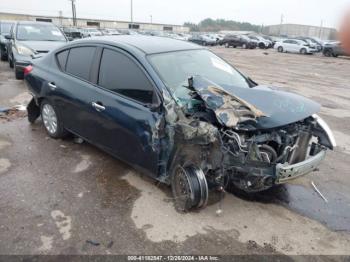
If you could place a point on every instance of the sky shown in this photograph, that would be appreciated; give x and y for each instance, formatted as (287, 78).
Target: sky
(266, 12)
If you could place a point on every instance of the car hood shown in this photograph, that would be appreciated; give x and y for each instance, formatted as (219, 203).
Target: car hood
(269, 108)
(42, 46)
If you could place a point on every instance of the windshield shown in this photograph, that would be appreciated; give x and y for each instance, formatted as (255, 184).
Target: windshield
(175, 68)
(5, 28)
(39, 32)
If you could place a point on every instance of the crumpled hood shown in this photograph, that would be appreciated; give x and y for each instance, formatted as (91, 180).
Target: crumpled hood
(270, 108)
(42, 46)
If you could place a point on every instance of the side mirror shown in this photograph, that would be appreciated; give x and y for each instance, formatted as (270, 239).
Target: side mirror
(8, 37)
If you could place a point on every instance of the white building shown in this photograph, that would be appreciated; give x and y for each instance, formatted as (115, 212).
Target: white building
(98, 23)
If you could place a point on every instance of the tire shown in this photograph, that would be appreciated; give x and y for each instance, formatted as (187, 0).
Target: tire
(18, 74)
(227, 45)
(328, 53)
(189, 187)
(53, 130)
(10, 62)
(3, 56)
(262, 46)
(280, 49)
(244, 46)
(335, 55)
(303, 51)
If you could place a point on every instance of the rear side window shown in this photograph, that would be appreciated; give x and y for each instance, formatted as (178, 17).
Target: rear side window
(79, 61)
(122, 75)
(62, 59)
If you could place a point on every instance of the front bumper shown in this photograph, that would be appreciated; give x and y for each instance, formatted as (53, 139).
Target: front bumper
(285, 173)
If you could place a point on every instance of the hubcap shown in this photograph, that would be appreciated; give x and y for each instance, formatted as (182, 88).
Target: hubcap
(49, 118)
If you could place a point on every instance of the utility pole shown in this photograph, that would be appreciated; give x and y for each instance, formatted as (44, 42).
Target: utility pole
(60, 15)
(131, 14)
(321, 29)
(282, 18)
(74, 13)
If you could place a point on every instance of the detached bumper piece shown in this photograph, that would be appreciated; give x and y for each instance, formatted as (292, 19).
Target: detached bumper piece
(285, 173)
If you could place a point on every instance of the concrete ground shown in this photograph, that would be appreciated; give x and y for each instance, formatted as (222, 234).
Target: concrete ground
(58, 197)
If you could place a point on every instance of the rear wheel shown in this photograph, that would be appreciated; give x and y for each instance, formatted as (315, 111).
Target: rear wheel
(52, 121)
(335, 55)
(280, 49)
(262, 46)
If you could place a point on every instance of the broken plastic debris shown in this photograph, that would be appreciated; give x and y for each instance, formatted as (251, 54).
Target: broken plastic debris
(94, 243)
(318, 191)
(20, 107)
(218, 212)
(78, 140)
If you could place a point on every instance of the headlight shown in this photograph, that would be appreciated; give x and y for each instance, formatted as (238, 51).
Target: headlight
(23, 50)
(326, 128)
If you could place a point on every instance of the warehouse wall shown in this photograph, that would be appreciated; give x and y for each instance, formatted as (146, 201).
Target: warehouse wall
(300, 30)
(65, 21)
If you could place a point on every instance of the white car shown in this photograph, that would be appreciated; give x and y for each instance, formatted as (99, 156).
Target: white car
(262, 42)
(295, 46)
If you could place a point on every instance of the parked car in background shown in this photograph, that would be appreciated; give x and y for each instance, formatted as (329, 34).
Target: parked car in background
(334, 49)
(202, 40)
(294, 46)
(89, 32)
(110, 31)
(72, 33)
(27, 39)
(313, 44)
(5, 28)
(178, 113)
(262, 43)
(238, 41)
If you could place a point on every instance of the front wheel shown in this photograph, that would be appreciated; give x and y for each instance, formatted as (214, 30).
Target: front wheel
(190, 188)
(52, 122)
(303, 51)
(328, 53)
(3, 55)
(280, 49)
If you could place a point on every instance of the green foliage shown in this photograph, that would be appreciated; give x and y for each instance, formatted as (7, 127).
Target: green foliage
(211, 25)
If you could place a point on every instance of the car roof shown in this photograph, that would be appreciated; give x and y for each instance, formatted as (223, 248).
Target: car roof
(146, 44)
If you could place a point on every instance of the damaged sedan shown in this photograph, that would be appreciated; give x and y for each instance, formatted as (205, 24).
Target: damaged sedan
(179, 113)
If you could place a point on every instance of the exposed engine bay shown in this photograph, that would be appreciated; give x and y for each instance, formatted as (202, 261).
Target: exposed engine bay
(234, 151)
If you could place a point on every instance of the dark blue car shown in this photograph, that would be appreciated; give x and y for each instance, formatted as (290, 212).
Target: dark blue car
(177, 112)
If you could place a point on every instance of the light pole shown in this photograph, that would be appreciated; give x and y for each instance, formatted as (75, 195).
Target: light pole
(74, 14)
(131, 14)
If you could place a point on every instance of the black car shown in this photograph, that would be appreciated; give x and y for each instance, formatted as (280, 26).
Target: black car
(5, 28)
(72, 33)
(27, 39)
(238, 41)
(334, 49)
(178, 113)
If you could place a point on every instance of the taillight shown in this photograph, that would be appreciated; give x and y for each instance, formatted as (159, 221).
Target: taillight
(27, 70)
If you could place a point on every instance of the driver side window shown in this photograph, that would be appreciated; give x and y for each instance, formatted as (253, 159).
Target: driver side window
(120, 74)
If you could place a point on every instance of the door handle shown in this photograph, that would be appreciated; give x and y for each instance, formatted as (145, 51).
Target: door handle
(52, 86)
(98, 106)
